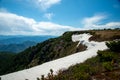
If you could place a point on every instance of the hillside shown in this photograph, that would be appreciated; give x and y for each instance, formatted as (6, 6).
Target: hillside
(56, 48)
(105, 66)
(61, 63)
(5, 60)
(43, 52)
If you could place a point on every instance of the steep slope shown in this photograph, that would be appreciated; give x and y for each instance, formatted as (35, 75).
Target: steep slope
(65, 62)
(43, 52)
(104, 66)
(55, 48)
(5, 58)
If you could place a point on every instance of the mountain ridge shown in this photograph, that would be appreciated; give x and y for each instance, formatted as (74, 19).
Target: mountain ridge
(53, 48)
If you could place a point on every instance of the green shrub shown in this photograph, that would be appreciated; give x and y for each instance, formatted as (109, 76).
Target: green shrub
(106, 56)
(80, 68)
(108, 66)
(81, 76)
(114, 46)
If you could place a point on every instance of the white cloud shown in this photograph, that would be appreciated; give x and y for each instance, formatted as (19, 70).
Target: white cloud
(48, 15)
(96, 22)
(52, 28)
(108, 25)
(91, 21)
(45, 4)
(12, 24)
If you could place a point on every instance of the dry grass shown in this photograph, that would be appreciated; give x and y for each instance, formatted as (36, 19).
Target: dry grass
(105, 35)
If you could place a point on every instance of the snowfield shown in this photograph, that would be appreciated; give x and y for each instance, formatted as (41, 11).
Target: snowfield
(62, 63)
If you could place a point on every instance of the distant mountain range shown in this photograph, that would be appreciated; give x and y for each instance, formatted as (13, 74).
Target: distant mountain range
(16, 48)
(16, 44)
(21, 39)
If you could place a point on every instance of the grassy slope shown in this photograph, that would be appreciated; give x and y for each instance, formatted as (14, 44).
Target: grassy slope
(99, 35)
(104, 66)
(105, 35)
(91, 69)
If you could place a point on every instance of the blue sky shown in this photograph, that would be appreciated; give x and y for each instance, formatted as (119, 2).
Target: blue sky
(53, 17)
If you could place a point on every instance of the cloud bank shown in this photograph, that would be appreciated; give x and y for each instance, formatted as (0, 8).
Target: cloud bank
(96, 22)
(12, 24)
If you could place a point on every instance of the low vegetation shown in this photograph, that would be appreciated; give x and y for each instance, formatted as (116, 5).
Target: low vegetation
(5, 61)
(106, 65)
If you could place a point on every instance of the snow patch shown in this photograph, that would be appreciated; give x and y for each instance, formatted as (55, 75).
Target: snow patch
(81, 37)
(62, 63)
(84, 39)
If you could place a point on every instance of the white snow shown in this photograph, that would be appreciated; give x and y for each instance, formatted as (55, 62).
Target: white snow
(62, 63)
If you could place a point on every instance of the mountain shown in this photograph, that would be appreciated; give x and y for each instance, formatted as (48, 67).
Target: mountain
(16, 48)
(48, 50)
(60, 47)
(16, 44)
(21, 39)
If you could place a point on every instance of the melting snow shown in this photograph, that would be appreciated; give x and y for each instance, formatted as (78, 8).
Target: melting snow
(62, 63)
